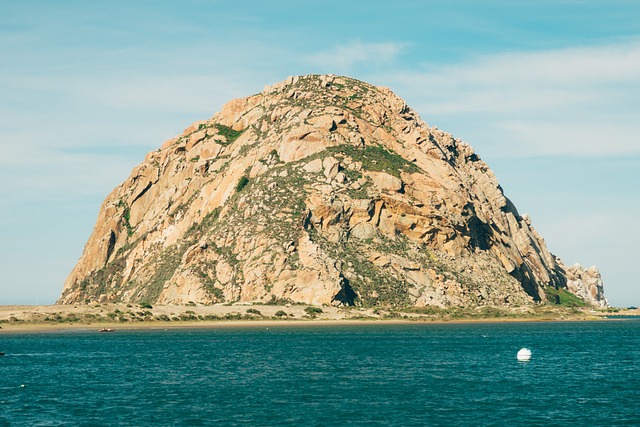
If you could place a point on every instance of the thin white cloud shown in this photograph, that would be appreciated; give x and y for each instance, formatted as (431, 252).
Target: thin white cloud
(344, 58)
(569, 101)
(570, 66)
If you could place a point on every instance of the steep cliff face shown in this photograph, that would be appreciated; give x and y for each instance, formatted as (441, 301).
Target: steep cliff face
(323, 190)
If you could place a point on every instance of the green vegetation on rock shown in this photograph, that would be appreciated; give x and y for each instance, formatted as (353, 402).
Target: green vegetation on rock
(229, 134)
(563, 297)
(377, 158)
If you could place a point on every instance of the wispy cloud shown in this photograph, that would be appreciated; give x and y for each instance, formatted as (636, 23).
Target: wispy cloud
(566, 101)
(344, 58)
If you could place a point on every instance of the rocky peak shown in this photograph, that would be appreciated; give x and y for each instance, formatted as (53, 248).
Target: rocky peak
(323, 190)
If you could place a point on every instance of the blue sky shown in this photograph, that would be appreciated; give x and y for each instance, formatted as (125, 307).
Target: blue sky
(545, 91)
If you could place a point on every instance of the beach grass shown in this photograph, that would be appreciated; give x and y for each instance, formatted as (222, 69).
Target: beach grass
(128, 316)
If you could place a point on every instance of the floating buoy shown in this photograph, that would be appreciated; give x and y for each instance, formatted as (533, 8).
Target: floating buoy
(524, 355)
(22, 386)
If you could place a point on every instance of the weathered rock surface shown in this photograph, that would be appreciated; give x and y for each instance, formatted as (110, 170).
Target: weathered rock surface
(323, 190)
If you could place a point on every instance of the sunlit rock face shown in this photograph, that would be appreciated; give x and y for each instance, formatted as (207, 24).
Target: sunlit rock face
(322, 190)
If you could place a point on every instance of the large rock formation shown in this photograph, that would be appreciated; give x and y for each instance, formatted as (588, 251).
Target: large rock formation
(323, 190)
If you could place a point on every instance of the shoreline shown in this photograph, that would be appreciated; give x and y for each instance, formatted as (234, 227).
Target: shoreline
(253, 324)
(56, 318)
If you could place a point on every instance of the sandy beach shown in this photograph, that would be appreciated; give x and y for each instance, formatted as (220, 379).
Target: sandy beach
(15, 318)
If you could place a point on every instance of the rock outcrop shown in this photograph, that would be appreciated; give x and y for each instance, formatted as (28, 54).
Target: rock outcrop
(322, 190)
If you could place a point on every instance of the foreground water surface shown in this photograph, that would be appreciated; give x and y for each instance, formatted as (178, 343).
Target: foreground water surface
(581, 373)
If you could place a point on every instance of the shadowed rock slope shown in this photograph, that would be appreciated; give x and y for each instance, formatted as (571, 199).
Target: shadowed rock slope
(322, 190)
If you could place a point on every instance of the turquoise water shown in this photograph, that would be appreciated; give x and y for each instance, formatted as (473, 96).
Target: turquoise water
(582, 374)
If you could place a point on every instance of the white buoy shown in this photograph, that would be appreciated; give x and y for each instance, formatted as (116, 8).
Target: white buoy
(524, 355)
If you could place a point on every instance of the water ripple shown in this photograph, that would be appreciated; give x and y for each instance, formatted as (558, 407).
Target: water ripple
(411, 375)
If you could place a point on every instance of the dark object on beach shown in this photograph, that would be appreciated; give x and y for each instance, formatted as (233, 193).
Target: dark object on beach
(106, 330)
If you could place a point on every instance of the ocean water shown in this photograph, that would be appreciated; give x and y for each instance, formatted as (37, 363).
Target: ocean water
(581, 374)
